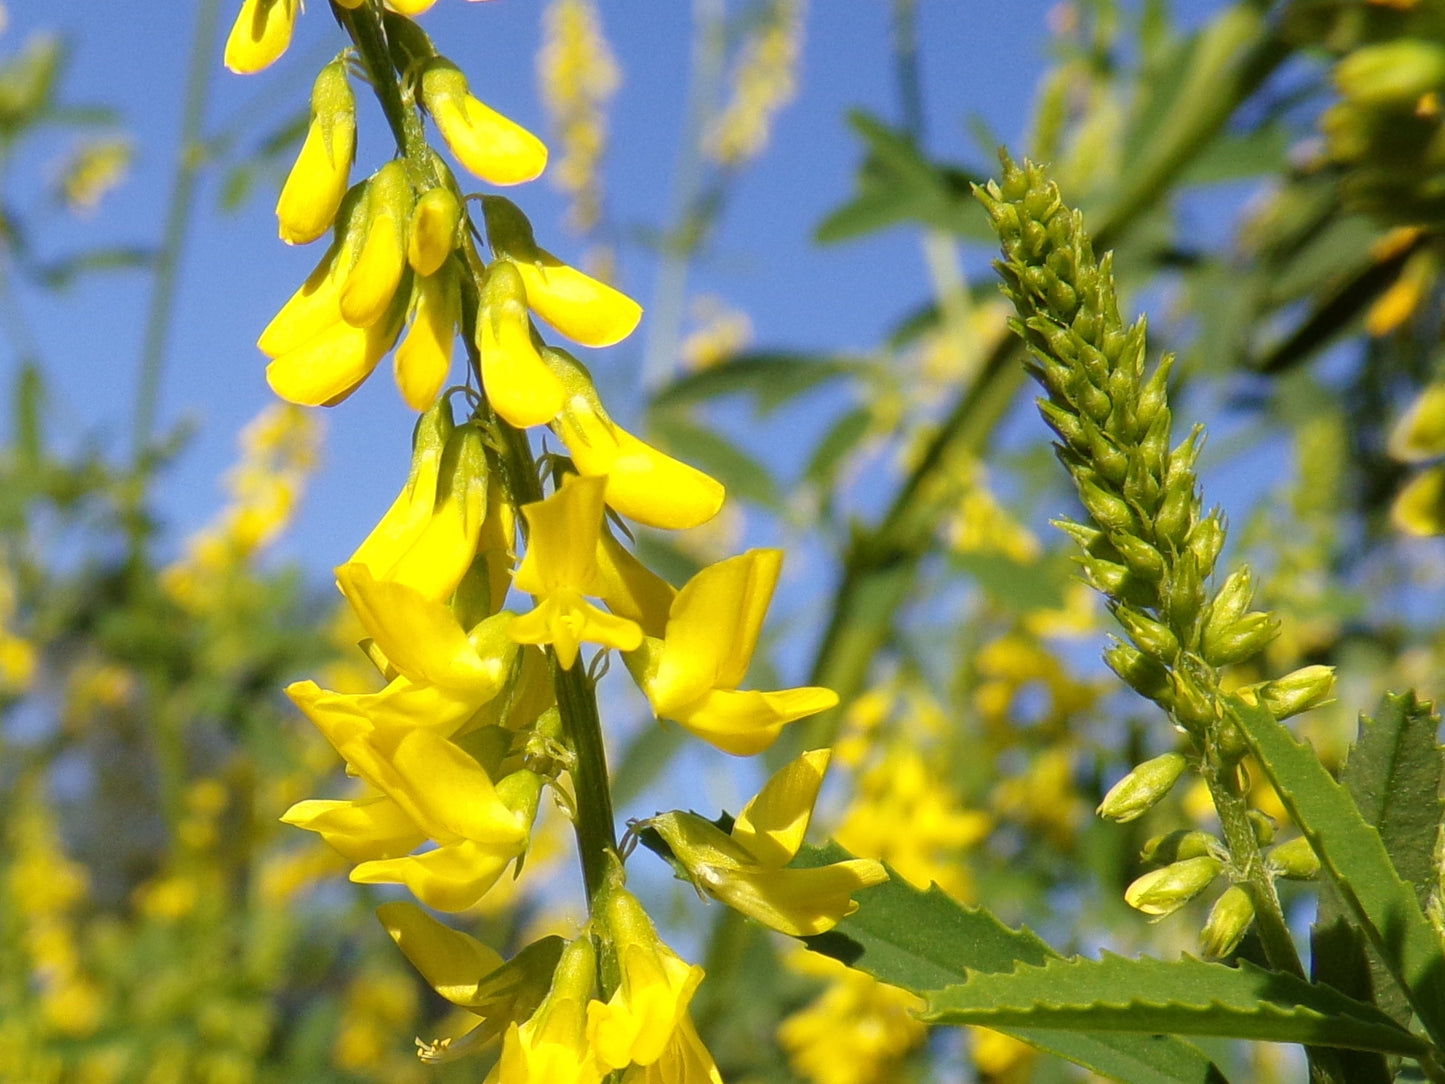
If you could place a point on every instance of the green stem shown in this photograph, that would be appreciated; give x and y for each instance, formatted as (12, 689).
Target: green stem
(181, 203)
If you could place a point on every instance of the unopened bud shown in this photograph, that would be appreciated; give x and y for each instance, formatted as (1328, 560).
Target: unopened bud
(1229, 920)
(1141, 673)
(1194, 709)
(1394, 72)
(1065, 424)
(1175, 513)
(1263, 825)
(1151, 637)
(1163, 891)
(1295, 860)
(1143, 559)
(1300, 690)
(1184, 592)
(1206, 539)
(1153, 397)
(1179, 845)
(1233, 599)
(1242, 640)
(1137, 792)
(1109, 510)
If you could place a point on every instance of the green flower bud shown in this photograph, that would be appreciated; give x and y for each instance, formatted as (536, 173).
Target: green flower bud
(1263, 826)
(1302, 689)
(1391, 73)
(1180, 845)
(1295, 860)
(1143, 559)
(1242, 640)
(1137, 792)
(1233, 599)
(1110, 511)
(1105, 456)
(1184, 593)
(1141, 673)
(1193, 708)
(1161, 892)
(1205, 540)
(1149, 636)
(1153, 399)
(1065, 424)
(1141, 488)
(1229, 920)
(1175, 515)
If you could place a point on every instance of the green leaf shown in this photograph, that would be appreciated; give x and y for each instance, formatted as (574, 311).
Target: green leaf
(1186, 997)
(1356, 861)
(840, 439)
(773, 378)
(925, 940)
(898, 184)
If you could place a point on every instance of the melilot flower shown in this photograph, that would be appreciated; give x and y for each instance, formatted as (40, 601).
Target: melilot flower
(746, 868)
(496, 149)
(260, 35)
(519, 386)
(317, 182)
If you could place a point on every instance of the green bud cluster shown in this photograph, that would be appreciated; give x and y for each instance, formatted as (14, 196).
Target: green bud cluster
(1151, 549)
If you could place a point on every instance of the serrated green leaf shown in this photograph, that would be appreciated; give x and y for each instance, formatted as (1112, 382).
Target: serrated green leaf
(707, 450)
(925, 940)
(1356, 861)
(1185, 997)
(772, 378)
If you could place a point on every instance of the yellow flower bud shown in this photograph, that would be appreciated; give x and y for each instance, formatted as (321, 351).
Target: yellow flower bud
(582, 308)
(1136, 793)
(522, 389)
(425, 356)
(642, 483)
(1161, 892)
(372, 281)
(317, 182)
(261, 33)
(433, 232)
(1302, 689)
(494, 148)
(1419, 508)
(1229, 920)
(1295, 860)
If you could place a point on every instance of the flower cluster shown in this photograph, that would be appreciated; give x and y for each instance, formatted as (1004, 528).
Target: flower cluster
(487, 699)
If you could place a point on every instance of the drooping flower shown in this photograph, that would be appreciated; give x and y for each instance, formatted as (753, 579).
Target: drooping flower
(642, 483)
(318, 181)
(748, 868)
(551, 1046)
(496, 149)
(433, 232)
(430, 534)
(425, 355)
(636, 1025)
(560, 567)
(260, 35)
(375, 277)
(691, 675)
(522, 389)
(579, 306)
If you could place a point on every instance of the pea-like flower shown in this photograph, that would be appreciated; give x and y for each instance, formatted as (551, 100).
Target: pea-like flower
(318, 181)
(639, 1021)
(747, 868)
(425, 355)
(642, 483)
(260, 35)
(560, 567)
(551, 1046)
(576, 304)
(691, 675)
(430, 534)
(496, 149)
(522, 389)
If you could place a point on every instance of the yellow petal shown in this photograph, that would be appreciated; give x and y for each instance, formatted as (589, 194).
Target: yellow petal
(642, 483)
(433, 232)
(359, 830)
(494, 148)
(326, 369)
(425, 356)
(317, 183)
(372, 282)
(260, 35)
(744, 723)
(450, 878)
(797, 902)
(453, 963)
(519, 386)
(420, 637)
(562, 537)
(455, 794)
(566, 620)
(312, 309)
(771, 827)
(630, 588)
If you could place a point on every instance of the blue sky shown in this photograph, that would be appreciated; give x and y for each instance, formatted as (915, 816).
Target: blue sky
(977, 60)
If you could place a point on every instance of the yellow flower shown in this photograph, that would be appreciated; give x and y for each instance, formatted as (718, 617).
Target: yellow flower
(496, 149)
(317, 182)
(560, 567)
(691, 675)
(685, 1060)
(642, 483)
(373, 280)
(519, 386)
(261, 33)
(429, 535)
(746, 869)
(638, 1022)
(582, 308)
(551, 1047)
(470, 975)
(433, 232)
(425, 356)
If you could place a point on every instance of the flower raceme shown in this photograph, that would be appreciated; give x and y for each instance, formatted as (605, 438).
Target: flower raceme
(747, 867)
